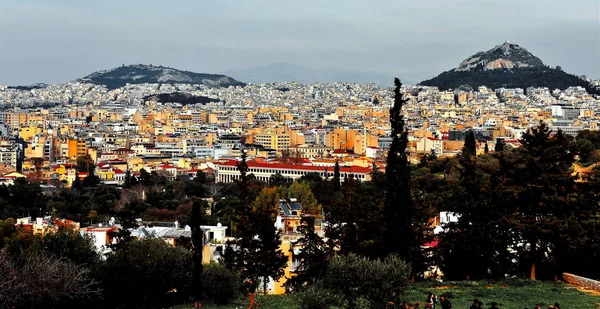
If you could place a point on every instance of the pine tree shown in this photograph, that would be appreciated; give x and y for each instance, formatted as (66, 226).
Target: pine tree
(399, 237)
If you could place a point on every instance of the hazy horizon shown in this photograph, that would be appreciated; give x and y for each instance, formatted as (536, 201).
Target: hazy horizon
(64, 40)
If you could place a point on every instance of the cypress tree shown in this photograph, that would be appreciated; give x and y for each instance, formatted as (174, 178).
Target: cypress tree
(197, 244)
(399, 237)
(500, 145)
(486, 150)
(336, 177)
(470, 147)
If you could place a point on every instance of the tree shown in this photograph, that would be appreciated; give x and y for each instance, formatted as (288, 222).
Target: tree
(547, 191)
(399, 238)
(486, 150)
(500, 145)
(260, 245)
(85, 164)
(77, 183)
(36, 279)
(197, 245)
(130, 180)
(312, 257)
(219, 284)
(470, 146)
(301, 191)
(336, 176)
(147, 273)
(377, 282)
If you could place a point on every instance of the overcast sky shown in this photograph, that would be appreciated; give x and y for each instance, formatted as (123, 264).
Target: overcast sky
(60, 40)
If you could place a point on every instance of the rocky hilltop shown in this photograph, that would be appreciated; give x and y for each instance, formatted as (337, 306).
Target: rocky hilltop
(508, 65)
(140, 74)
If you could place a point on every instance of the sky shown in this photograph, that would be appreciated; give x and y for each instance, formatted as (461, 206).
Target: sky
(61, 40)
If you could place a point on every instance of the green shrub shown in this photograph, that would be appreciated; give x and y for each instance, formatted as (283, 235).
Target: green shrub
(147, 273)
(317, 297)
(376, 281)
(219, 284)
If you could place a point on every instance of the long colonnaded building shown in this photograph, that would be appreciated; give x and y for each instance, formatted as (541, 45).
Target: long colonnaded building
(227, 171)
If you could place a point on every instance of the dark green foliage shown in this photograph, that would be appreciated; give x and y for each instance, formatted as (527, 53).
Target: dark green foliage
(398, 236)
(513, 78)
(197, 244)
(315, 296)
(130, 180)
(312, 257)
(259, 255)
(470, 146)
(336, 177)
(277, 180)
(377, 281)
(85, 164)
(21, 199)
(219, 284)
(500, 145)
(179, 97)
(521, 205)
(146, 273)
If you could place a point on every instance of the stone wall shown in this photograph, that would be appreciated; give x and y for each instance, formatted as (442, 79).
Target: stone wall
(581, 281)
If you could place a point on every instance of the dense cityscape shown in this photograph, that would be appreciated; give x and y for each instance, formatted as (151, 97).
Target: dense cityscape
(300, 155)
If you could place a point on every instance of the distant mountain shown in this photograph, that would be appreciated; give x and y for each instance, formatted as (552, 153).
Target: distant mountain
(139, 74)
(287, 72)
(29, 87)
(507, 65)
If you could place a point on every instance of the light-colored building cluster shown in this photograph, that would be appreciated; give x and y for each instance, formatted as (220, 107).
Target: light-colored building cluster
(304, 127)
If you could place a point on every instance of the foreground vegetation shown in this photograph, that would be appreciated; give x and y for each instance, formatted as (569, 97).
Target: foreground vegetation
(508, 294)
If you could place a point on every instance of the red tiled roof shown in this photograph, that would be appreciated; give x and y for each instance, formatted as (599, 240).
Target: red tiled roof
(343, 169)
(431, 244)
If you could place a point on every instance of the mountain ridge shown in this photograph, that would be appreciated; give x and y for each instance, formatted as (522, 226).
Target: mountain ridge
(507, 65)
(141, 73)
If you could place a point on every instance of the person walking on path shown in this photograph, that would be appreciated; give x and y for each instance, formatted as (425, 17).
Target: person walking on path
(251, 288)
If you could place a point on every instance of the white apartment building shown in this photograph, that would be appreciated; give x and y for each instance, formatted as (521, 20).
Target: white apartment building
(227, 171)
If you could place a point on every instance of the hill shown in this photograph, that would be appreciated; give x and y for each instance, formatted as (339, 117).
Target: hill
(180, 97)
(507, 65)
(288, 72)
(140, 74)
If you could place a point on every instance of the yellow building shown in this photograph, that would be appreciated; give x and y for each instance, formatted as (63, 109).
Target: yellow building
(76, 148)
(28, 132)
(273, 140)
